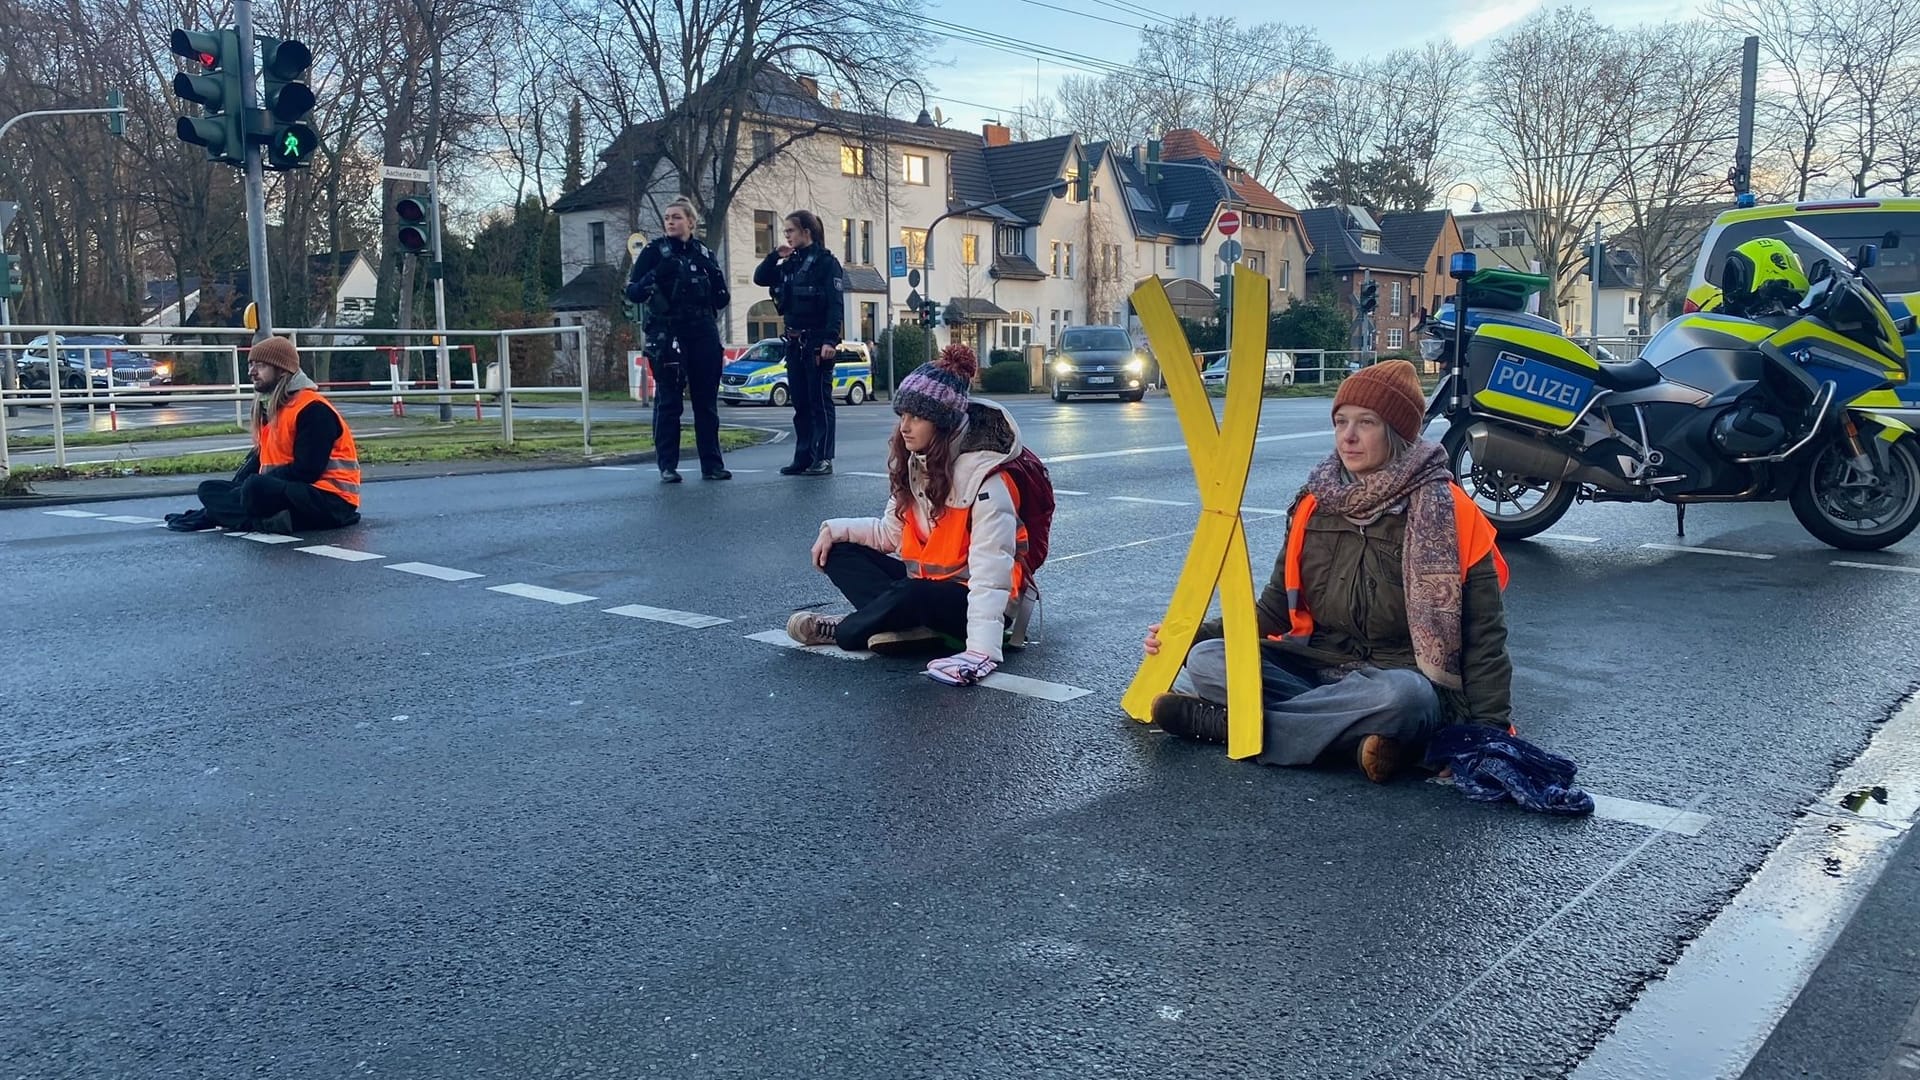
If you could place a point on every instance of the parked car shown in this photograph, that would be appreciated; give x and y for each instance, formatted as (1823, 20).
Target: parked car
(1097, 360)
(759, 376)
(1280, 369)
(96, 360)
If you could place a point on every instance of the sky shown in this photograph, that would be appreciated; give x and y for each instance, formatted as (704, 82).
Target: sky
(971, 84)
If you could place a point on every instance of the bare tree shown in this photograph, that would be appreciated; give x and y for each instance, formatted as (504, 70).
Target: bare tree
(1879, 42)
(1551, 94)
(1106, 109)
(1296, 77)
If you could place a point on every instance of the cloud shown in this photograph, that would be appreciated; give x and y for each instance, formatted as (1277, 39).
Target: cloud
(1486, 18)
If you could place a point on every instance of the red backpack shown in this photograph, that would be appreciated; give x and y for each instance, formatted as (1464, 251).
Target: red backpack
(1035, 488)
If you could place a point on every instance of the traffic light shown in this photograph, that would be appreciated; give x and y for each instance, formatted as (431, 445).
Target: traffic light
(287, 100)
(217, 90)
(10, 276)
(1369, 297)
(414, 234)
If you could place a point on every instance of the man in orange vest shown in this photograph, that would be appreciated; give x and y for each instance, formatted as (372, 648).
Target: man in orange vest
(304, 472)
(1383, 615)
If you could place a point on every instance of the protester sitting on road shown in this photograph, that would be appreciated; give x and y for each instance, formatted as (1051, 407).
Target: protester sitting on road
(953, 520)
(1383, 611)
(304, 472)
(679, 286)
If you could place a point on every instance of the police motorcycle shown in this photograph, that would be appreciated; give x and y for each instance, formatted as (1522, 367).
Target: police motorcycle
(1783, 404)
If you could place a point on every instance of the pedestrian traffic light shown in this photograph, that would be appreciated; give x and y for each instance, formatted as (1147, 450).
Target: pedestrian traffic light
(287, 100)
(1369, 297)
(415, 216)
(10, 277)
(217, 90)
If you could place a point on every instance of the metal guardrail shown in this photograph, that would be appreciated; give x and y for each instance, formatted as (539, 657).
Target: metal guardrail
(240, 392)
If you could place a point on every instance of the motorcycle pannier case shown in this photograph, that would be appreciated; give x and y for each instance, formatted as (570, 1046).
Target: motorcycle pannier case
(1529, 376)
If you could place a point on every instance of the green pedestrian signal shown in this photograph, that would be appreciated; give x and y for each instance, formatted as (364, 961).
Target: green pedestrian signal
(216, 89)
(287, 102)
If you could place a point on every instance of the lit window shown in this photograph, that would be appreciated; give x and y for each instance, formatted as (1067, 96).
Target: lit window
(969, 250)
(915, 241)
(853, 161)
(915, 171)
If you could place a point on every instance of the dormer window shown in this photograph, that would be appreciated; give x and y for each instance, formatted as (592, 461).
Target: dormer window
(1370, 243)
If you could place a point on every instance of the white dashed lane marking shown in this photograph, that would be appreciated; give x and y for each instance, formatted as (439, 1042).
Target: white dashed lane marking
(72, 513)
(780, 638)
(1706, 551)
(1033, 688)
(1150, 502)
(131, 519)
(881, 475)
(535, 592)
(267, 538)
(343, 554)
(689, 619)
(1064, 491)
(614, 468)
(1650, 815)
(1877, 566)
(1568, 538)
(438, 573)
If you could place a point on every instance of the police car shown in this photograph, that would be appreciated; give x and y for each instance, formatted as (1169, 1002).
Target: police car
(759, 375)
(1845, 224)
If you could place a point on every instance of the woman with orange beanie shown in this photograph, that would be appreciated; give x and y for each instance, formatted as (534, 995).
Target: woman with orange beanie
(1383, 614)
(942, 561)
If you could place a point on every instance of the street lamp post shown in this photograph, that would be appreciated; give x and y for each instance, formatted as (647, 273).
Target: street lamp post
(886, 198)
(1476, 208)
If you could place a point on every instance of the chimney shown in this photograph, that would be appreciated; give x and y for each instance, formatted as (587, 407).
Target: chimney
(996, 134)
(809, 84)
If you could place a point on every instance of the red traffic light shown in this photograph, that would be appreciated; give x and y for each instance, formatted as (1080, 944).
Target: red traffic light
(414, 235)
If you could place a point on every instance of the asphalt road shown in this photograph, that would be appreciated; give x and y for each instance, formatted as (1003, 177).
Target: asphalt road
(269, 811)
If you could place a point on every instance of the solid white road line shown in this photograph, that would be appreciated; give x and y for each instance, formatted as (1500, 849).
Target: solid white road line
(131, 519)
(1179, 446)
(343, 554)
(437, 573)
(1034, 688)
(780, 638)
(688, 619)
(535, 592)
(73, 513)
(267, 538)
(881, 475)
(1261, 510)
(1706, 551)
(1064, 491)
(1651, 815)
(613, 468)
(1569, 538)
(1152, 502)
(746, 470)
(1878, 566)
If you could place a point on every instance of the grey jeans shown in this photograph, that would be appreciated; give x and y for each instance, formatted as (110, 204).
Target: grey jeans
(1307, 717)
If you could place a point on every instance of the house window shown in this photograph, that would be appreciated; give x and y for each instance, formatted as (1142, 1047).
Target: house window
(853, 161)
(1439, 264)
(1169, 256)
(866, 243)
(915, 170)
(1053, 268)
(1012, 241)
(1396, 338)
(1286, 274)
(1398, 303)
(1053, 327)
(1370, 243)
(766, 226)
(969, 250)
(1512, 236)
(846, 240)
(915, 241)
(869, 315)
(1069, 264)
(1633, 307)
(1257, 261)
(763, 321)
(1017, 331)
(762, 145)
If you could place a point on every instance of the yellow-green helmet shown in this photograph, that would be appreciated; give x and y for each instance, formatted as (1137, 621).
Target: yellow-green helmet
(1762, 276)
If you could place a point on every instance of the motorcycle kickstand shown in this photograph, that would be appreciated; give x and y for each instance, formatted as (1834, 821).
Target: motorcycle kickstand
(1680, 518)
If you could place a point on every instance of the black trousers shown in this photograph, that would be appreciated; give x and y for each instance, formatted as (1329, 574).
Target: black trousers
(249, 503)
(688, 365)
(885, 599)
(810, 384)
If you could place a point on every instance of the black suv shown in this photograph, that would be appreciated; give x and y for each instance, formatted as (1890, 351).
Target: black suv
(86, 359)
(1097, 360)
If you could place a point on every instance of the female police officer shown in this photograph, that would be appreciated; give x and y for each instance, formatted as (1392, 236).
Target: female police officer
(680, 286)
(810, 291)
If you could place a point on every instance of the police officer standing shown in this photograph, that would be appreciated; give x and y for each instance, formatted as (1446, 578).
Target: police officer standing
(810, 291)
(679, 286)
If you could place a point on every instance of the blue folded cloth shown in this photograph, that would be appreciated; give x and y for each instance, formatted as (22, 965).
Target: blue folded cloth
(1489, 765)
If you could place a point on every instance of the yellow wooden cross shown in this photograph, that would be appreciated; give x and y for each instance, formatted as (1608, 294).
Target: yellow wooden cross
(1222, 454)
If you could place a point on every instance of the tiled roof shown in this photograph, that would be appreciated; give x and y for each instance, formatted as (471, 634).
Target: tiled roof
(1413, 235)
(979, 307)
(596, 287)
(1185, 144)
(1016, 268)
(1022, 166)
(1194, 192)
(864, 279)
(1334, 247)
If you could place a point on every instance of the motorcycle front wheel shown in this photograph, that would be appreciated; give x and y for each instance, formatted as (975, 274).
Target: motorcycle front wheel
(1855, 511)
(1518, 506)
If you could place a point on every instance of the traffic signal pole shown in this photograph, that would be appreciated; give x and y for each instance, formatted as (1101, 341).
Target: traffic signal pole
(445, 366)
(258, 278)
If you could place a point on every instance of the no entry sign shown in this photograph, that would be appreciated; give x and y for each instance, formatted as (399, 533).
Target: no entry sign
(1229, 223)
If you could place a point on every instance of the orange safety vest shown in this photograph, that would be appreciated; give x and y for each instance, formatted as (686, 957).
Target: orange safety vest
(342, 474)
(1476, 540)
(942, 555)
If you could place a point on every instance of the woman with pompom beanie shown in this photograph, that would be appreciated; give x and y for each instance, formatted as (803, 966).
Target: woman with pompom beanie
(952, 519)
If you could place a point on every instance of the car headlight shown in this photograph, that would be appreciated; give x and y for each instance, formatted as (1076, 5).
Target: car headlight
(162, 370)
(1061, 367)
(1136, 365)
(1432, 348)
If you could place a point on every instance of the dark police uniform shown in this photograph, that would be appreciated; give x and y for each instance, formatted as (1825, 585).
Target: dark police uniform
(679, 287)
(809, 288)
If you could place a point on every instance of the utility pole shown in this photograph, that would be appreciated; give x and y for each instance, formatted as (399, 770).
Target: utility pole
(1743, 152)
(259, 283)
(1595, 267)
(445, 368)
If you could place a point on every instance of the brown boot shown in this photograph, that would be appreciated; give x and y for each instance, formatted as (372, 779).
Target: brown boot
(1190, 717)
(1379, 757)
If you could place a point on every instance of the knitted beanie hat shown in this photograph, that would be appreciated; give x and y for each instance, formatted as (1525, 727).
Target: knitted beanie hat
(1390, 388)
(277, 351)
(938, 391)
